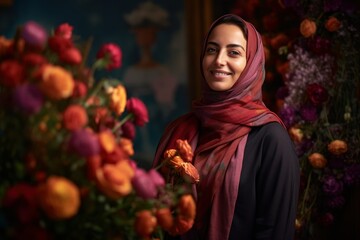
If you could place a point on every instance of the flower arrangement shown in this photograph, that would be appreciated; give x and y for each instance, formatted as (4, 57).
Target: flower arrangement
(66, 147)
(321, 110)
(312, 63)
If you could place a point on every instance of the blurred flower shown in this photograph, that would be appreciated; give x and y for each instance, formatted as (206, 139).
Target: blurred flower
(11, 73)
(59, 44)
(296, 134)
(317, 160)
(128, 130)
(74, 117)
(317, 93)
(308, 113)
(34, 34)
(84, 142)
(57, 83)
(59, 197)
(307, 28)
(64, 30)
(164, 218)
(332, 24)
(337, 147)
(144, 185)
(139, 110)
(118, 99)
(71, 56)
(145, 223)
(331, 186)
(28, 98)
(111, 54)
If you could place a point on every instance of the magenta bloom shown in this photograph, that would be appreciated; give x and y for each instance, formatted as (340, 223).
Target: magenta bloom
(128, 130)
(112, 54)
(332, 186)
(144, 185)
(28, 98)
(34, 34)
(138, 108)
(157, 179)
(309, 113)
(84, 143)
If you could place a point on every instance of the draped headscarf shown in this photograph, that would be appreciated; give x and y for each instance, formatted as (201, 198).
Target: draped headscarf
(217, 128)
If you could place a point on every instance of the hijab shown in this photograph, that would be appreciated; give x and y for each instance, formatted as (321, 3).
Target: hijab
(217, 128)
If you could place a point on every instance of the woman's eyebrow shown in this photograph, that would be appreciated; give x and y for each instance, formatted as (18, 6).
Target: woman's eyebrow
(232, 45)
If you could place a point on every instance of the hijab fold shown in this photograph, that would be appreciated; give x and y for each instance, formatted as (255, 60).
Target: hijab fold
(217, 128)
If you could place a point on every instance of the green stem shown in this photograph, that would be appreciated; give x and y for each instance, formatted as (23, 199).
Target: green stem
(124, 120)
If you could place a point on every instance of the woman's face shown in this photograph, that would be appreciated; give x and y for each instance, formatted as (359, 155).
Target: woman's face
(225, 57)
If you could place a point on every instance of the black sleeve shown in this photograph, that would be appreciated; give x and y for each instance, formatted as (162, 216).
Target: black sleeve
(277, 187)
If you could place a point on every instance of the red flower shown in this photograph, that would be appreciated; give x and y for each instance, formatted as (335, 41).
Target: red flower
(112, 54)
(33, 59)
(80, 89)
(138, 108)
(128, 130)
(20, 201)
(317, 94)
(71, 56)
(11, 73)
(64, 30)
(59, 44)
(74, 117)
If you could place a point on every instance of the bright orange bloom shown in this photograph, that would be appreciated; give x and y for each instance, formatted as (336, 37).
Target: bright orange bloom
(317, 160)
(56, 82)
(185, 150)
(114, 180)
(296, 134)
(145, 223)
(107, 141)
(74, 117)
(337, 147)
(118, 99)
(164, 218)
(127, 145)
(188, 171)
(187, 207)
(170, 153)
(59, 198)
(176, 162)
(307, 28)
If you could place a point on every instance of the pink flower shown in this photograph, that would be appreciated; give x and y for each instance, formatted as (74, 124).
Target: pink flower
(112, 54)
(71, 56)
(84, 142)
(64, 30)
(34, 34)
(28, 98)
(59, 44)
(138, 108)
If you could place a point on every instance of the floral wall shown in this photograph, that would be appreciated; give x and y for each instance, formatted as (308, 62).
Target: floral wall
(313, 82)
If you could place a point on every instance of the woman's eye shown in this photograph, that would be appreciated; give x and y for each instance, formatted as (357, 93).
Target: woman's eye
(234, 53)
(210, 50)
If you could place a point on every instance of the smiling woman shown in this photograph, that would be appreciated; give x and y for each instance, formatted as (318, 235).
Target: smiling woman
(242, 152)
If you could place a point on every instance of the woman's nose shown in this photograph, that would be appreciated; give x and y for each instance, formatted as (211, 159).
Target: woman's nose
(220, 58)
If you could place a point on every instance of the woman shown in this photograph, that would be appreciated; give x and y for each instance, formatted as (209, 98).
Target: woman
(249, 172)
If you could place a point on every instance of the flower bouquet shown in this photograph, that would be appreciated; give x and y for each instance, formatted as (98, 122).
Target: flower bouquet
(66, 147)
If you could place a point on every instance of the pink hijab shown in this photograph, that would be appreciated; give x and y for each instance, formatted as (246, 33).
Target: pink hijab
(217, 129)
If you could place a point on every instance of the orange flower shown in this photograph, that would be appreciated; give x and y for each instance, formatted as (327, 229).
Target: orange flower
(181, 226)
(187, 207)
(4, 45)
(118, 99)
(307, 28)
(185, 150)
(74, 117)
(127, 145)
(332, 24)
(176, 162)
(107, 141)
(57, 83)
(188, 171)
(296, 134)
(59, 198)
(317, 160)
(170, 153)
(337, 147)
(145, 223)
(164, 218)
(114, 180)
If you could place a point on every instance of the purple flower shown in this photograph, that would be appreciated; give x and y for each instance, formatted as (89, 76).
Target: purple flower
(156, 178)
(317, 94)
(331, 186)
(143, 184)
(84, 143)
(287, 114)
(28, 98)
(34, 34)
(309, 113)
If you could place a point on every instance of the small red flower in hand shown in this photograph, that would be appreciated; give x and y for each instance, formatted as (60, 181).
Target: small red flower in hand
(112, 55)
